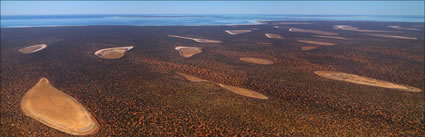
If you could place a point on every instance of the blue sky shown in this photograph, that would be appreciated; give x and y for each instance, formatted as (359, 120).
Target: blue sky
(213, 7)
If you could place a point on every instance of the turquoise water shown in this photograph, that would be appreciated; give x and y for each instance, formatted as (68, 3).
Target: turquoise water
(182, 20)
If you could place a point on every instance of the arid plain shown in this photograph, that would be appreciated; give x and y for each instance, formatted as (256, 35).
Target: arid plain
(155, 89)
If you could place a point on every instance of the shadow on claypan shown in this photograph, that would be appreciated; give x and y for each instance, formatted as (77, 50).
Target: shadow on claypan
(112, 53)
(58, 110)
(364, 80)
(240, 91)
(32, 49)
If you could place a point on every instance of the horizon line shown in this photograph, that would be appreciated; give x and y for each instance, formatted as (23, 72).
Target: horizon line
(212, 14)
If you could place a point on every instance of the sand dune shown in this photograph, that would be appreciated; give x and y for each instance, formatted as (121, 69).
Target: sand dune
(188, 52)
(256, 60)
(332, 37)
(316, 42)
(403, 28)
(58, 110)
(364, 80)
(312, 31)
(236, 32)
(273, 36)
(393, 36)
(348, 27)
(192, 78)
(32, 49)
(290, 23)
(196, 39)
(112, 53)
(244, 92)
(307, 48)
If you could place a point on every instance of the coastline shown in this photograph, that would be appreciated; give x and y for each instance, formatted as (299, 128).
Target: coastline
(186, 20)
(257, 22)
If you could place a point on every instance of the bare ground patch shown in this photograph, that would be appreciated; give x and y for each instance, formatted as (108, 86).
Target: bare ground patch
(188, 52)
(196, 39)
(364, 80)
(236, 32)
(312, 31)
(316, 42)
(273, 36)
(33, 48)
(58, 110)
(256, 60)
(332, 37)
(112, 53)
(393, 36)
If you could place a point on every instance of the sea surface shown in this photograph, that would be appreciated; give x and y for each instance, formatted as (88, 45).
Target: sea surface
(184, 20)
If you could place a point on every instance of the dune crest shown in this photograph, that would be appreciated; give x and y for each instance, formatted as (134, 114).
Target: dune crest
(236, 32)
(316, 42)
(188, 52)
(256, 60)
(32, 49)
(244, 92)
(112, 53)
(312, 31)
(364, 80)
(196, 39)
(273, 36)
(58, 110)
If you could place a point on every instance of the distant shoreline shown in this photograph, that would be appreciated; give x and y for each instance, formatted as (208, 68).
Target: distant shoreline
(254, 22)
(186, 20)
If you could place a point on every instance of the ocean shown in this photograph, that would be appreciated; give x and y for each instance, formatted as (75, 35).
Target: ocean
(184, 20)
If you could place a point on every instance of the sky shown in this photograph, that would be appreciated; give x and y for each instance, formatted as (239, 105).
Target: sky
(213, 7)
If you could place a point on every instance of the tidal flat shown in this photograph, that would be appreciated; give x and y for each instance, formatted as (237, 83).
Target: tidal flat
(140, 93)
